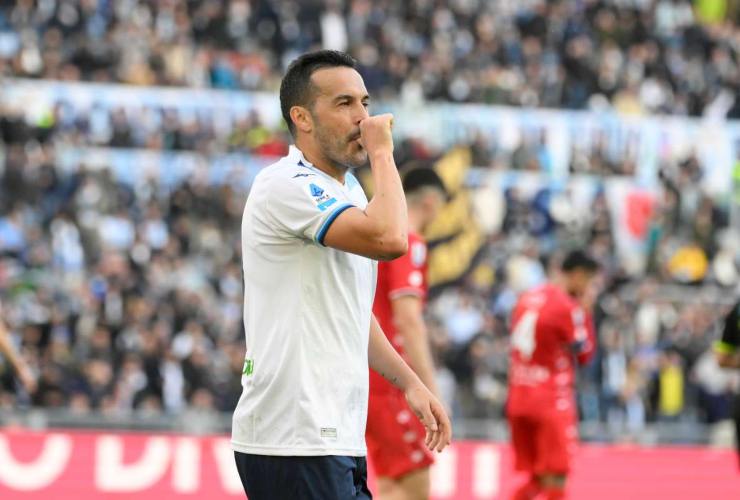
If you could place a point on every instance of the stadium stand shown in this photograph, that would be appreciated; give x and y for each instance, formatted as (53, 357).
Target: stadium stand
(640, 56)
(125, 293)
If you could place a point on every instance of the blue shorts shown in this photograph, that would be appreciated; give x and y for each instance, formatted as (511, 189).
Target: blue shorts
(267, 477)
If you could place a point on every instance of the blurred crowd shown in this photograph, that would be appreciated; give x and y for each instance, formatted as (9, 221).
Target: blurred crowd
(122, 298)
(654, 361)
(655, 327)
(635, 56)
(127, 297)
(140, 127)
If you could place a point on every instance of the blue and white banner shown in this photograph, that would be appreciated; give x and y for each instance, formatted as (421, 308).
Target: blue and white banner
(558, 142)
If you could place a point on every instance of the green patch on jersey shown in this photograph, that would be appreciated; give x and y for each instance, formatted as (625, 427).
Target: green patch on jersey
(248, 367)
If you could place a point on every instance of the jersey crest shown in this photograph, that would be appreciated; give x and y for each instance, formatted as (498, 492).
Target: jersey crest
(316, 191)
(323, 199)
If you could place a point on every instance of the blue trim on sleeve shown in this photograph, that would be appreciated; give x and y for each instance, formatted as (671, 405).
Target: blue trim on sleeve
(328, 222)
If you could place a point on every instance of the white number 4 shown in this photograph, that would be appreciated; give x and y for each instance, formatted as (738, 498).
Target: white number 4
(523, 338)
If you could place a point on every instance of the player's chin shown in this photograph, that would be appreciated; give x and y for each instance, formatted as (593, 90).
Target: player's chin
(358, 158)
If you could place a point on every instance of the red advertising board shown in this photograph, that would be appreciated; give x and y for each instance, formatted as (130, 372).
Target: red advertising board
(98, 465)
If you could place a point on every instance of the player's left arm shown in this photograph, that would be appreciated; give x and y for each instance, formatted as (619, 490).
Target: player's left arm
(384, 359)
(726, 350)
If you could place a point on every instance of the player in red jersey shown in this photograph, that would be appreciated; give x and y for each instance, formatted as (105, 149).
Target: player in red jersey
(551, 325)
(395, 438)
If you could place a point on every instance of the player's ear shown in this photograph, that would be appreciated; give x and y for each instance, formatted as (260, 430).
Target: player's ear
(302, 118)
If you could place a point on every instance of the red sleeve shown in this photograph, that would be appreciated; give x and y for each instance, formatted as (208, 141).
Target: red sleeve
(579, 332)
(406, 275)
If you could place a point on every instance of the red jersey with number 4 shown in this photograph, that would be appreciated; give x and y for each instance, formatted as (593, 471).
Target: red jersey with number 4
(405, 275)
(549, 330)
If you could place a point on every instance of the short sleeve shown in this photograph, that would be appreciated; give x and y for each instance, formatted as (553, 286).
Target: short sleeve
(730, 332)
(304, 206)
(406, 274)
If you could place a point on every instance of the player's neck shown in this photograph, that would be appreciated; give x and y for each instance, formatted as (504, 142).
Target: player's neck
(312, 154)
(561, 282)
(415, 220)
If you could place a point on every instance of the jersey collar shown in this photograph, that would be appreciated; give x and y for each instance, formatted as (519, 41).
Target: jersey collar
(295, 155)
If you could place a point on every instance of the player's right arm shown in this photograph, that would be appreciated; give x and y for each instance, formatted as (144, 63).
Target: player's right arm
(585, 350)
(726, 350)
(578, 332)
(17, 362)
(381, 230)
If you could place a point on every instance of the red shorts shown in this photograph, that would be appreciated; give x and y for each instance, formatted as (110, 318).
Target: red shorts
(543, 444)
(395, 436)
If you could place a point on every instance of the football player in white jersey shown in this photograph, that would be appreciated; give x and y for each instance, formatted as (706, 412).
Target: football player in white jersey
(310, 241)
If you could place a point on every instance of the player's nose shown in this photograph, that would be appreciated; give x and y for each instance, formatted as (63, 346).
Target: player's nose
(359, 113)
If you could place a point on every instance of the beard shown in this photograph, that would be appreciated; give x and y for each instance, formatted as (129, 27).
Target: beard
(342, 151)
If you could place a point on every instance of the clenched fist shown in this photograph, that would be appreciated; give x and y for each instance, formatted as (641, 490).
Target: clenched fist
(375, 133)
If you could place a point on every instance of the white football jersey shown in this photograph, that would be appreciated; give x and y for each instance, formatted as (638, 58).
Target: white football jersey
(307, 311)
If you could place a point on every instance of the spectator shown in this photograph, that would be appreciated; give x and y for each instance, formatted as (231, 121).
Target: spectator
(640, 57)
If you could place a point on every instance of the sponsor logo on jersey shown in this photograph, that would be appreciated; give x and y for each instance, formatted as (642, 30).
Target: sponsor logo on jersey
(418, 254)
(248, 367)
(578, 316)
(416, 279)
(304, 175)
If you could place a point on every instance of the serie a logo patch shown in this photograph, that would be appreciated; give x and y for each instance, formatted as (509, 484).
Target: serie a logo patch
(316, 191)
(322, 199)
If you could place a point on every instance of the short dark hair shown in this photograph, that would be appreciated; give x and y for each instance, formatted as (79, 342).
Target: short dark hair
(295, 89)
(418, 177)
(579, 259)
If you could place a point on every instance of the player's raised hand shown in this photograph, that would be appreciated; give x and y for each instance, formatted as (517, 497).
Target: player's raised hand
(375, 134)
(432, 415)
(589, 297)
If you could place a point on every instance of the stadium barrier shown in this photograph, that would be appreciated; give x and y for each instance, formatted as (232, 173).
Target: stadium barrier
(116, 465)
